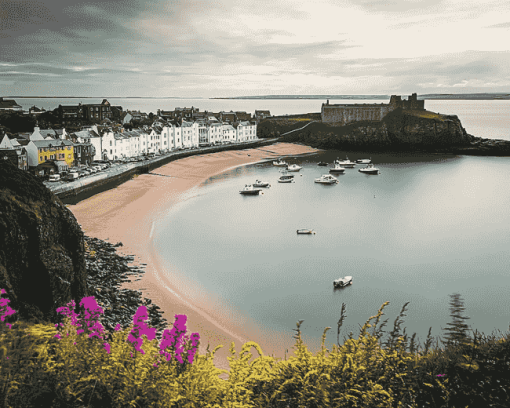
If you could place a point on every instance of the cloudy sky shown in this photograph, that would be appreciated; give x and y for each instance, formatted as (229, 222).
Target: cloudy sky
(214, 48)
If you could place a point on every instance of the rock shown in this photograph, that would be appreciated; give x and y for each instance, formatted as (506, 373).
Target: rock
(42, 263)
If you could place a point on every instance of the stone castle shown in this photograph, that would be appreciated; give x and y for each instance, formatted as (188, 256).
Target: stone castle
(343, 114)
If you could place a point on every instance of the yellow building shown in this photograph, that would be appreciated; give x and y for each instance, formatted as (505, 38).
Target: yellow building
(39, 151)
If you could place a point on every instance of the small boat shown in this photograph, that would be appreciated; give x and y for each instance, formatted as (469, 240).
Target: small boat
(370, 169)
(337, 169)
(326, 179)
(280, 162)
(286, 179)
(364, 161)
(305, 231)
(345, 163)
(293, 167)
(259, 183)
(322, 164)
(342, 282)
(249, 190)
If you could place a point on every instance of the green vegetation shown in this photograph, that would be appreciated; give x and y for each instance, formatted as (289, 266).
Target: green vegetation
(375, 369)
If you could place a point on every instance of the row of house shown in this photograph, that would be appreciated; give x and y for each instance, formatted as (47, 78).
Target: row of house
(163, 137)
(33, 151)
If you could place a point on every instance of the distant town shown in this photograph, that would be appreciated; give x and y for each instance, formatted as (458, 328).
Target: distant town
(68, 140)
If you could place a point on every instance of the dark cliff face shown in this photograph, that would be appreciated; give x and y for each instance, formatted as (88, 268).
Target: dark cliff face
(42, 264)
(399, 129)
(425, 128)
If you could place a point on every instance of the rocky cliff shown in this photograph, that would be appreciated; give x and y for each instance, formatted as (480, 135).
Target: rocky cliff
(399, 129)
(42, 264)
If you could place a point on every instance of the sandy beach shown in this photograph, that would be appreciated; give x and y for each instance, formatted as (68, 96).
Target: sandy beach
(128, 214)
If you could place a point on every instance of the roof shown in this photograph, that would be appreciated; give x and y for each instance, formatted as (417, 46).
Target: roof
(47, 132)
(51, 143)
(8, 104)
(86, 134)
(61, 164)
(6, 143)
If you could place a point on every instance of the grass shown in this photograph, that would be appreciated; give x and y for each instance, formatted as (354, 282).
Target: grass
(425, 114)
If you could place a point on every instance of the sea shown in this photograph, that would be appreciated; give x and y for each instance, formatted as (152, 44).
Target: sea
(426, 227)
(481, 118)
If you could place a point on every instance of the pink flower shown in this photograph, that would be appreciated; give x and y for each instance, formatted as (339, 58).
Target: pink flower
(117, 328)
(8, 325)
(140, 328)
(107, 347)
(3, 291)
(5, 309)
(74, 343)
(58, 336)
(92, 315)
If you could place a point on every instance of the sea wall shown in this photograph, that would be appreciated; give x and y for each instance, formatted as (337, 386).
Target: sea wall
(75, 191)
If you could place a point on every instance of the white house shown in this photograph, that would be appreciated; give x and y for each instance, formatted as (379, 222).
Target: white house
(246, 131)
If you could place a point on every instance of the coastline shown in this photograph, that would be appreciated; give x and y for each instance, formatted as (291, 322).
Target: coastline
(128, 214)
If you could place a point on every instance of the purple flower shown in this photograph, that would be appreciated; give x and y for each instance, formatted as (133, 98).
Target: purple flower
(107, 347)
(8, 325)
(68, 311)
(440, 375)
(92, 315)
(140, 328)
(117, 328)
(5, 309)
(58, 336)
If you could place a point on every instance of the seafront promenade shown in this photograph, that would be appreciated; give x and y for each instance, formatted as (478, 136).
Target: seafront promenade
(74, 191)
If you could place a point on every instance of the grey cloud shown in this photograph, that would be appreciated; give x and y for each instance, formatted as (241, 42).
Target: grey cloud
(501, 25)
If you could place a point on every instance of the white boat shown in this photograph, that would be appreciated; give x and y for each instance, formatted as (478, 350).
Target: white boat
(259, 183)
(305, 231)
(249, 190)
(280, 163)
(364, 161)
(289, 178)
(326, 179)
(337, 169)
(293, 167)
(345, 163)
(370, 169)
(342, 282)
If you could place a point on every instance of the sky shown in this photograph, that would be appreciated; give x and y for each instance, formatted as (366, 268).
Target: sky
(222, 48)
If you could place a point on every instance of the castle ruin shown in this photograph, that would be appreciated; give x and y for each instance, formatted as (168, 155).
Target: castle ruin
(343, 114)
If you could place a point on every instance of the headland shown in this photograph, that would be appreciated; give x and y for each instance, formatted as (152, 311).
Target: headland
(129, 213)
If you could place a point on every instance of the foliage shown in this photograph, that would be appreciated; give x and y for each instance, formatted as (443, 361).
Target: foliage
(71, 364)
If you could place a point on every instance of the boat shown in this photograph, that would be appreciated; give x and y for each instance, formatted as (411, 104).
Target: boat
(286, 179)
(280, 162)
(370, 169)
(326, 179)
(345, 163)
(249, 190)
(337, 169)
(322, 164)
(364, 161)
(305, 231)
(293, 167)
(259, 183)
(342, 282)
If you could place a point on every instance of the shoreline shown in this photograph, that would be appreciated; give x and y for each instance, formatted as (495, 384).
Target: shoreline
(129, 213)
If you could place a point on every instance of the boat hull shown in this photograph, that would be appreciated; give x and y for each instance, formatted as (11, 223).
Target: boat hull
(336, 170)
(368, 171)
(304, 231)
(251, 192)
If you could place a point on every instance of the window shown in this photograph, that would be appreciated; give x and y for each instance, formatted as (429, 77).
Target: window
(68, 156)
(40, 158)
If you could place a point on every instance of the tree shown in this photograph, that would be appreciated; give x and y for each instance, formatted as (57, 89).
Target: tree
(457, 331)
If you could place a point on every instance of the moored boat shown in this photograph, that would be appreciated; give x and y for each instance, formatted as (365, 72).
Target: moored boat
(305, 231)
(293, 167)
(259, 183)
(370, 169)
(249, 190)
(280, 162)
(364, 161)
(326, 179)
(286, 179)
(337, 169)
(322, 164)
(345, 163)
(342, 282)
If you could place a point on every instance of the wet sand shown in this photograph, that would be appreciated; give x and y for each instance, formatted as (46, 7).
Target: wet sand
(128, 214)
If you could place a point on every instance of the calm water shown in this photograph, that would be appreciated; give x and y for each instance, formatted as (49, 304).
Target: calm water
(426, 227)
(488, 119)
